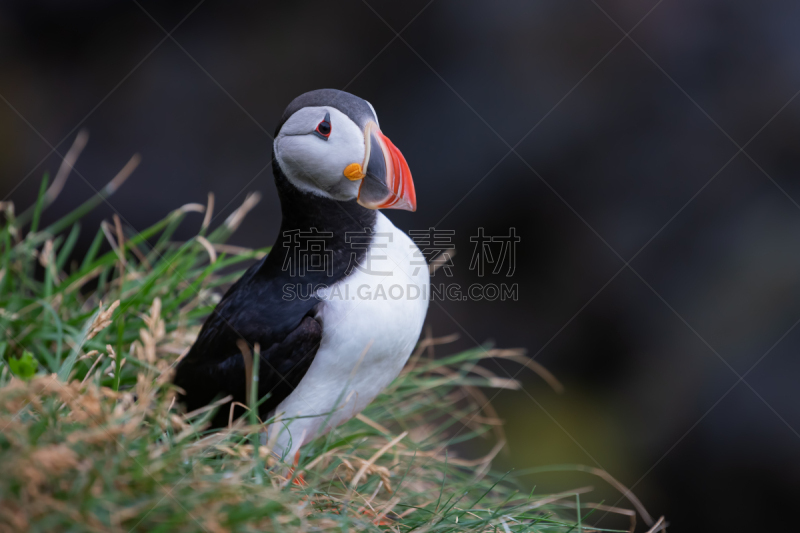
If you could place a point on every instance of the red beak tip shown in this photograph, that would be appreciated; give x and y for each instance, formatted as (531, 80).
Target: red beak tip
(403, 184)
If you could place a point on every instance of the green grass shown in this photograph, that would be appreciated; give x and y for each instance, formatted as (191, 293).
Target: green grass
(91, 440)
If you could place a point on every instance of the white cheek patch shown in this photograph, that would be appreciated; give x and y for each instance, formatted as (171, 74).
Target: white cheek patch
(315, 165)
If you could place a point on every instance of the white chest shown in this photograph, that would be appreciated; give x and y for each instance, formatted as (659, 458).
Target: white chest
(371, 322)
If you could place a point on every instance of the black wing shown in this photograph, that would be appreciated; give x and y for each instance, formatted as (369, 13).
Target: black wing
(253, 309)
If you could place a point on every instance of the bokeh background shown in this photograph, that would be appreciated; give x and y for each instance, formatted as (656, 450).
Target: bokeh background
(660, 132)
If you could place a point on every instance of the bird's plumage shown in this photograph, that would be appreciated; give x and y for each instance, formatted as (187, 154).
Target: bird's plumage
(254, 309)
(316, 352)
(371, 320)
(360, 111)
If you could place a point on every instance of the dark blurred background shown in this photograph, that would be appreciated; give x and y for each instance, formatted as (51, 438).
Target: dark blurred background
(627, 131)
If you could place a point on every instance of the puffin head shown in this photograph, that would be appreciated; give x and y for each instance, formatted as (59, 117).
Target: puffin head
(328, 143)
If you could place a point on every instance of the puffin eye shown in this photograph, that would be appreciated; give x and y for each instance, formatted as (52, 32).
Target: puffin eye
(323, 130)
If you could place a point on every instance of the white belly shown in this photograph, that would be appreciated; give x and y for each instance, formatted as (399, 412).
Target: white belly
(370, 325)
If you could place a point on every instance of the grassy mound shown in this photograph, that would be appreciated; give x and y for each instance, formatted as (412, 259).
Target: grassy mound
(91, 438)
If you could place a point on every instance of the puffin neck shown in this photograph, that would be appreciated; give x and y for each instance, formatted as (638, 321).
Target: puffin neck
(305, 212)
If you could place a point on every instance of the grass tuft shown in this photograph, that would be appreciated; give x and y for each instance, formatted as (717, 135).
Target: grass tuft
(91, 439)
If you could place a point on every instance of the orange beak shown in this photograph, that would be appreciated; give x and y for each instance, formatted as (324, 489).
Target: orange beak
(387, 182)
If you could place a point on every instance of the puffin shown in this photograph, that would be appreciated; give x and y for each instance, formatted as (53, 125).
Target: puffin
(331, 338)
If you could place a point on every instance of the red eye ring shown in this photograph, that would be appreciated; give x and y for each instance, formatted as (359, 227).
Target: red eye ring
(324, 128)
